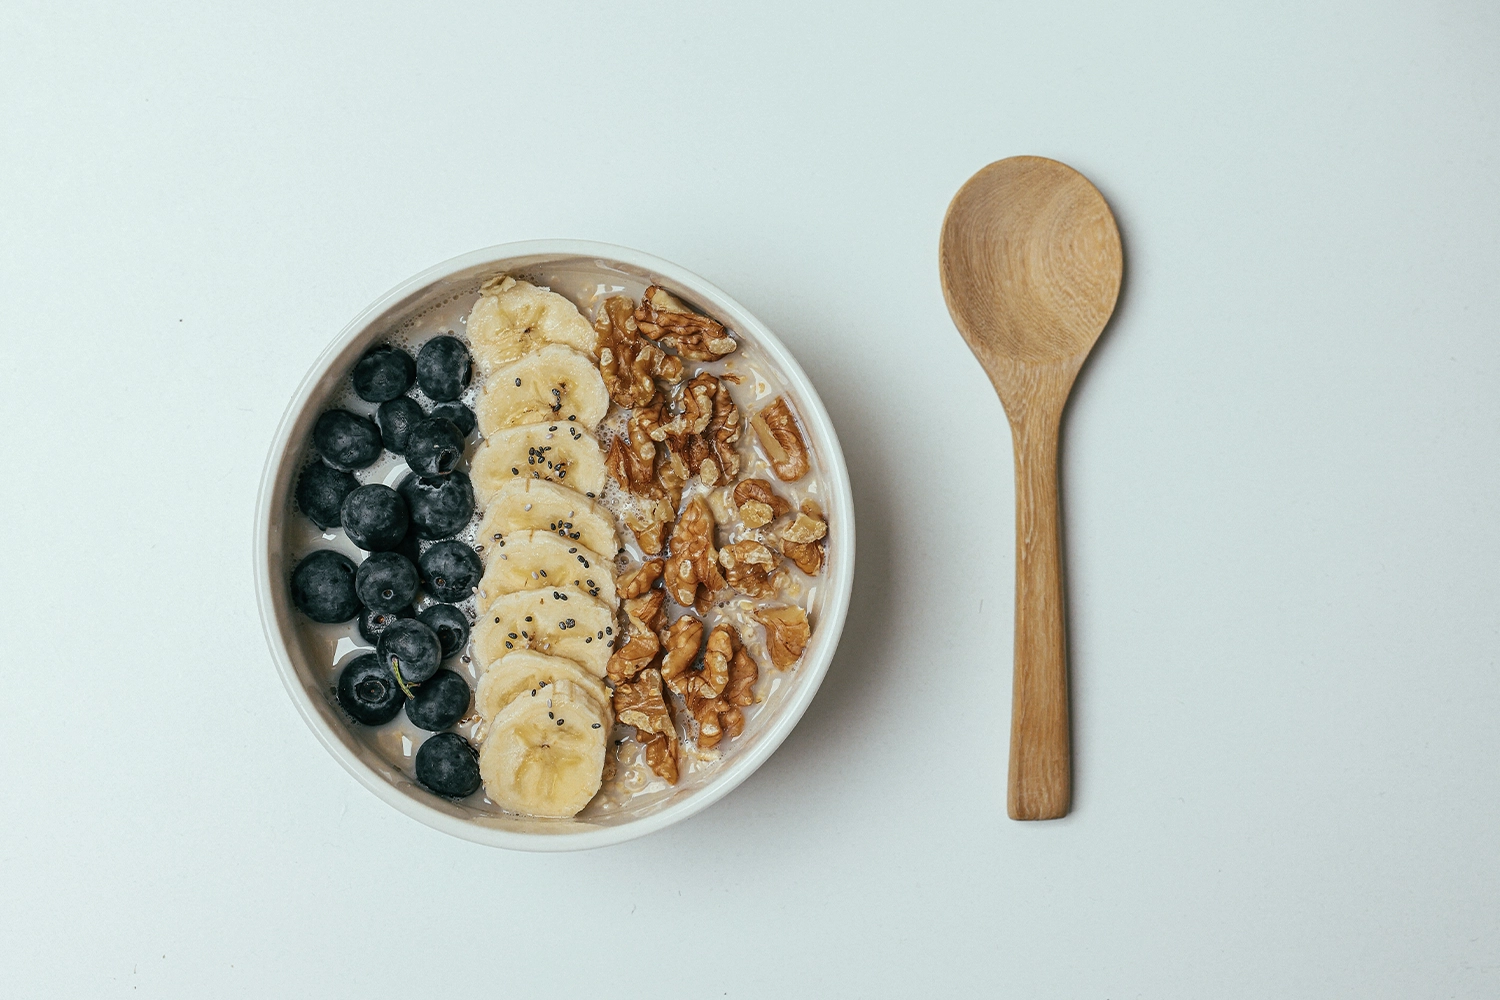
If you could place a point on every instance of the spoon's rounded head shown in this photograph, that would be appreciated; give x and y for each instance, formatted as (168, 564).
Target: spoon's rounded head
(1030, 261)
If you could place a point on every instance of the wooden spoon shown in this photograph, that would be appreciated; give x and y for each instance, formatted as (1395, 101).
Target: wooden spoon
(1030, 260)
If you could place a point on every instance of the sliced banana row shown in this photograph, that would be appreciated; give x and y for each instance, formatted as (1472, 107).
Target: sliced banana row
(547, 602)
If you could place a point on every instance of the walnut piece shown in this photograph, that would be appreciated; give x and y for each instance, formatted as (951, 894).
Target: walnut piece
(806, 556)
(748, 566)
(663, 318)
(805, 529)
(641, 704)
(782, 439)
(639, 580)
(758, 503)
(743, 673)
(641, 644)
(692, 575)
(787, 632)
(681, 642)
(632, 456)
(661, 755)
(650, 524)
(630, 364)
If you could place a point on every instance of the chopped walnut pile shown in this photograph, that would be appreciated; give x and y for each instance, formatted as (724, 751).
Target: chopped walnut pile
(758, 503)
(782, 439)
(692, 576)
(663, 318)
(748, 566)
(641, 704)
(787, 632)
(683, 424)
(629, 363)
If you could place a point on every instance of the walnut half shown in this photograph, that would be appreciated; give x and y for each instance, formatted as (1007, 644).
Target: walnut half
(782, 439)
(787, 632)
(714, 694)
(692, 576)
(748, 566)
(663, 318)
(758, 503)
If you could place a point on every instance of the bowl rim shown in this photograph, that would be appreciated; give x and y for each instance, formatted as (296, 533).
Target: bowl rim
(812, 670)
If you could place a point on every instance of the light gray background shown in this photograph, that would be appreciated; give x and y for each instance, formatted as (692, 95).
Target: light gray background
(1280, 491)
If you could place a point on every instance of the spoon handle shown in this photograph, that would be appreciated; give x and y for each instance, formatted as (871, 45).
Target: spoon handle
(1040, 757)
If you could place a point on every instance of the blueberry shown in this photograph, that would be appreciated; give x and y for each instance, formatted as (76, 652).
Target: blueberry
(440, 702)
(434, 447)
(411, 647)
(439, 507)
(320, 493)
(385, 372)
(386, 581)
(448, 766)
(443, 368)
(461, 415)
(346, 441)
(375, 517)
(372, 622)
(396, 418)
(451, 570)
(323, 587)
(368, 692)
(450, 624)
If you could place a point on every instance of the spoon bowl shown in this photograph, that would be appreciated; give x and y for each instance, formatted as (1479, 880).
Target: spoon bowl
(1031, 263)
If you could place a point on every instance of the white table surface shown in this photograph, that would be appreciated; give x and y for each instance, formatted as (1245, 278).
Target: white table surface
(1280, 485)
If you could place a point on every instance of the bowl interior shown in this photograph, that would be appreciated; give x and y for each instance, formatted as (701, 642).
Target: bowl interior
(310, 656)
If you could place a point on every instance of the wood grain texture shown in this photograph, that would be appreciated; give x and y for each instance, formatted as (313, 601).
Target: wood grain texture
(1030, 261)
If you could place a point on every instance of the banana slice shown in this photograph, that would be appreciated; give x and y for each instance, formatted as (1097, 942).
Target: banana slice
(564, 622)
(568, 456)
(513, 318)
(540, 560)
(553, 385)
(543, 759)
(538, 505)
(526, 674)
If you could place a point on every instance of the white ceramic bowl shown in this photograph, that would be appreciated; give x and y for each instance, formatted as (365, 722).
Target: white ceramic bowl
(446, 286)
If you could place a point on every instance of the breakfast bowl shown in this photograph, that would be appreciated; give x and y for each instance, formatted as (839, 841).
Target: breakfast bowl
(717, 655)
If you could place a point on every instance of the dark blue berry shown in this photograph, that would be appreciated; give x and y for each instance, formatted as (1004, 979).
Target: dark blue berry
(450, 624)
(443, 368)
(346, 440)
(375, 517)
(385, 372)
(439, 702)
(396, 418)
(451, 570)
(320, 493)
(462, 417)
(372, 622)
(446, 765)
(439, 507)
(434, 447)
(410, 647)
(368, 692)
(323, 587)
(386, 581)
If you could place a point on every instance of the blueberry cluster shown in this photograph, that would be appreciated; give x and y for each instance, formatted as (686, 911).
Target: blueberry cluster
(432, 503)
